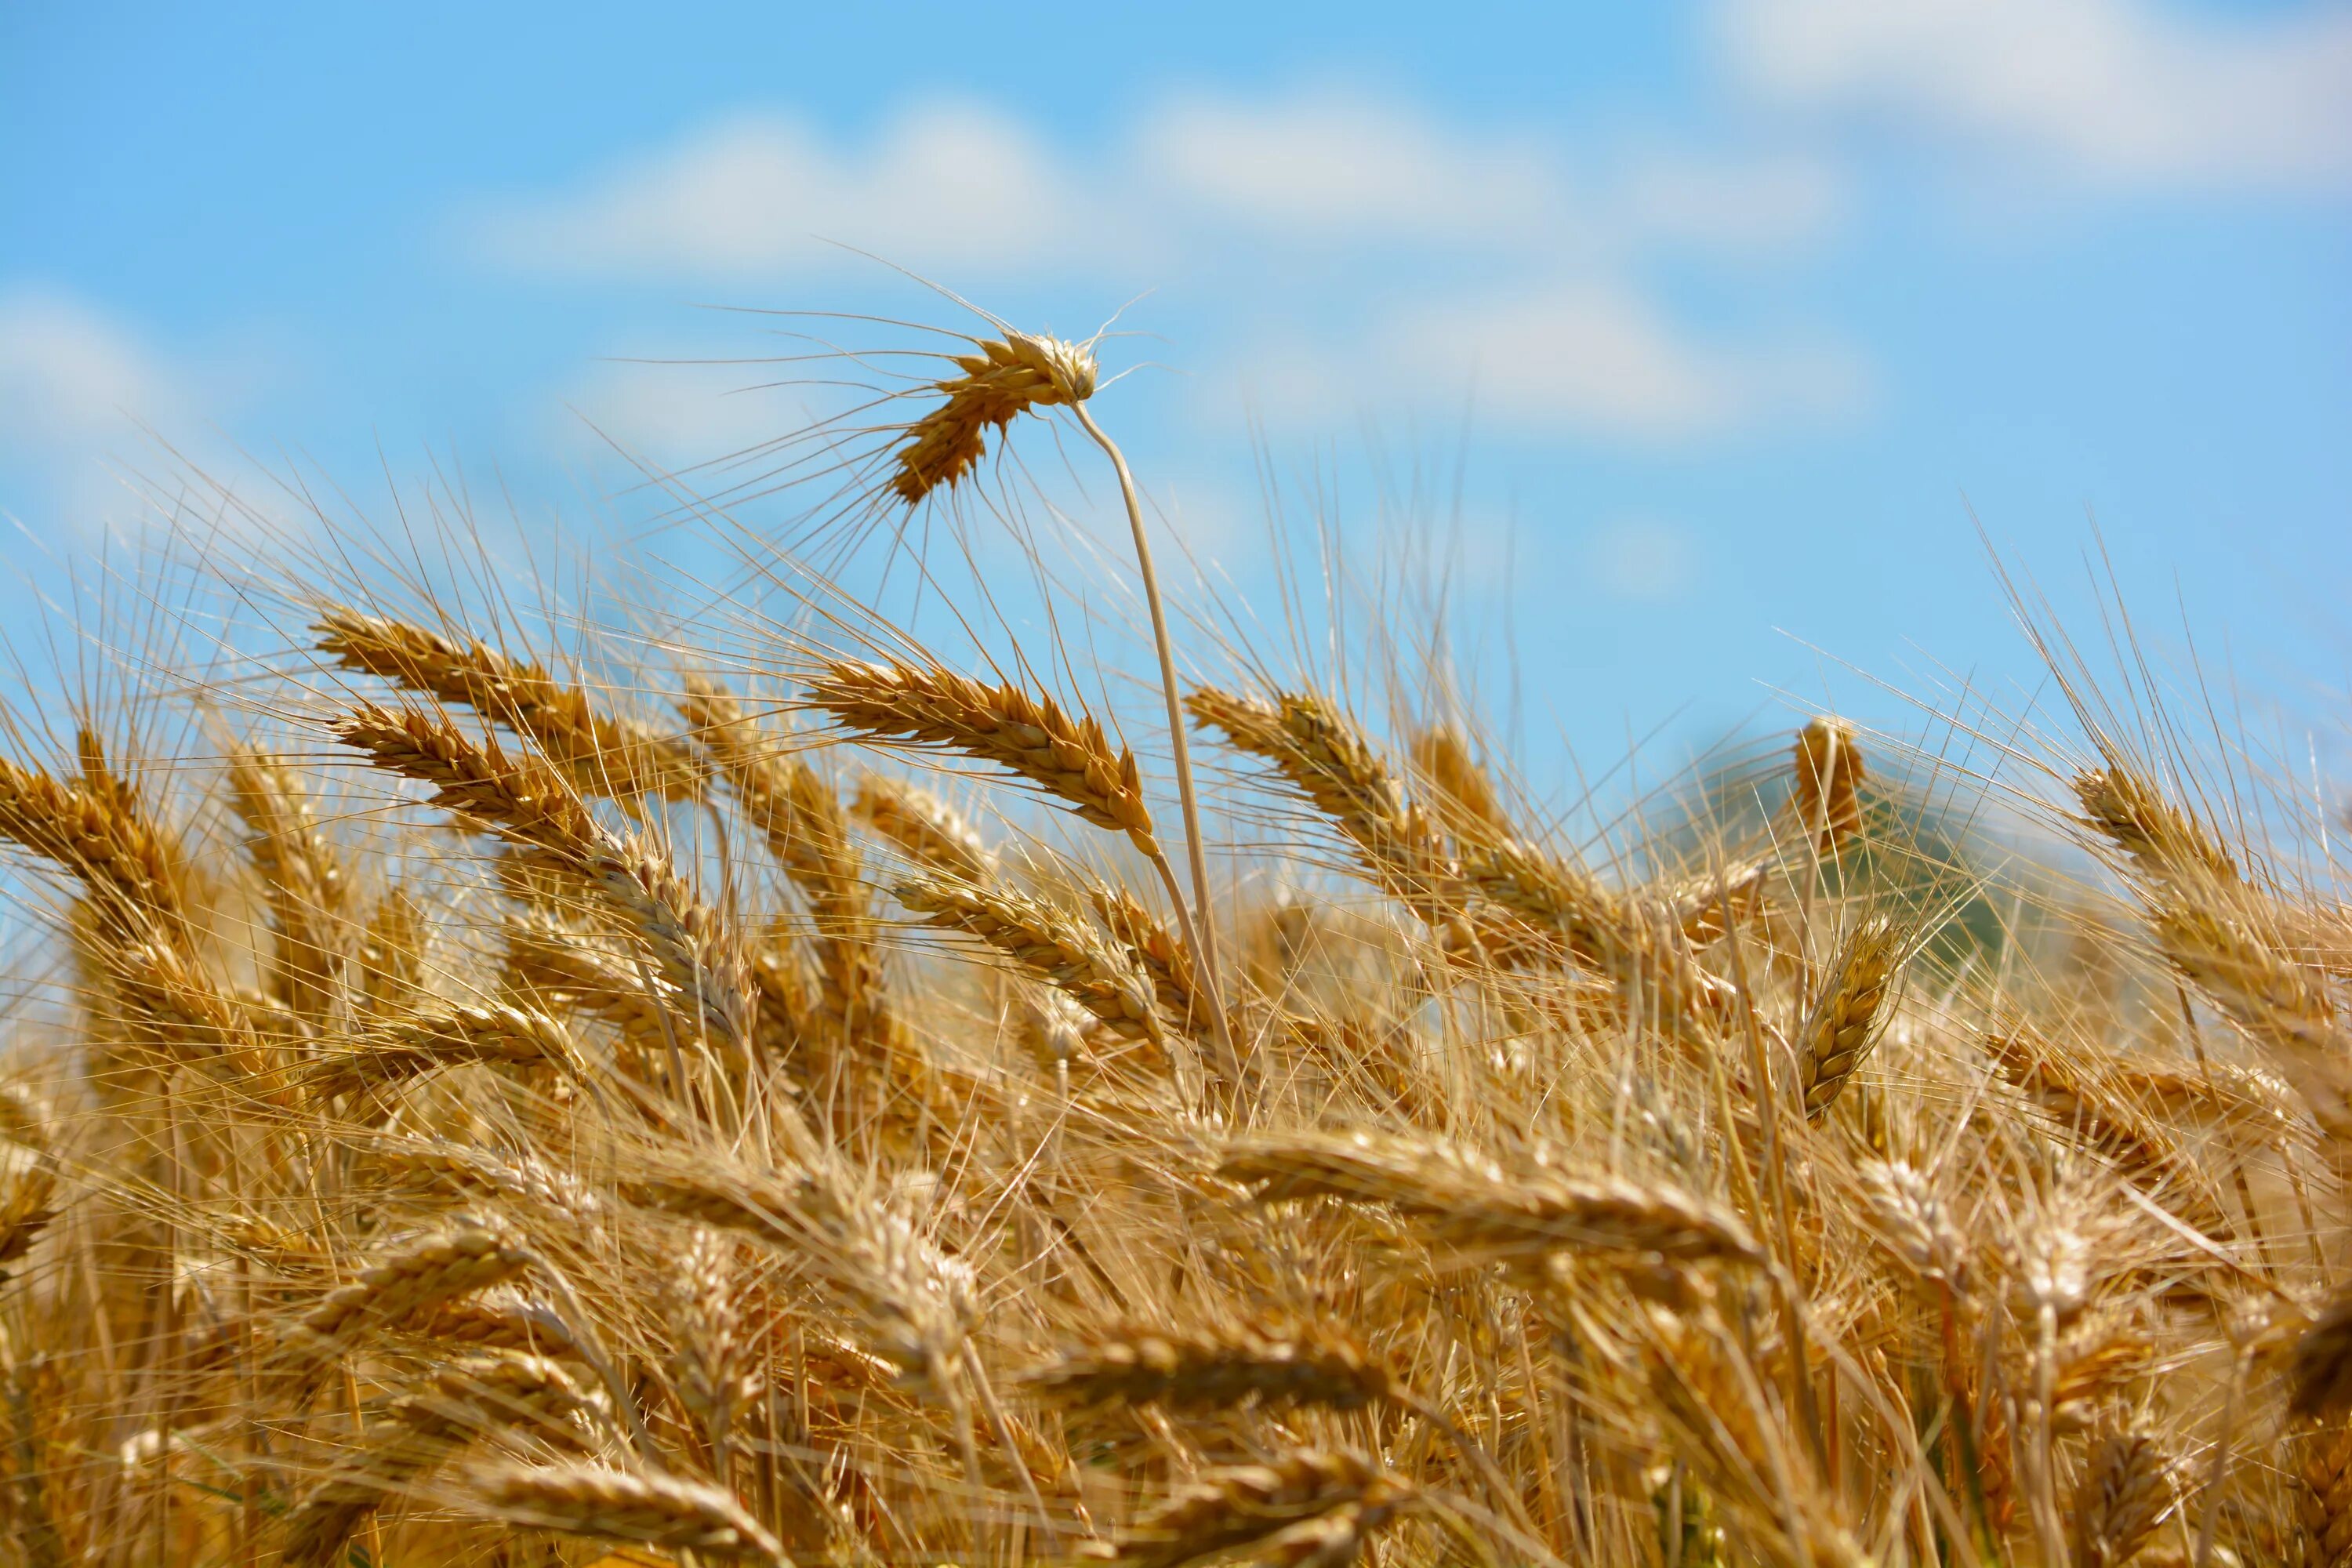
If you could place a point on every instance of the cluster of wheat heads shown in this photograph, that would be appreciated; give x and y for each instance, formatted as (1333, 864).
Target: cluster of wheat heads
(485, 1114)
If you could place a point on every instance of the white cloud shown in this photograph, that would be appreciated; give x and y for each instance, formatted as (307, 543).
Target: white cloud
(69, 378)
(1643, 559)
(2112, 90)
(950, 186)
(946, 185)
(1582, 356)
(1203, 188)
(1337, 164)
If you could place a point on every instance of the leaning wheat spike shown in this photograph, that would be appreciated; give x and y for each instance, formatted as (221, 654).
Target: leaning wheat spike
(392, 955)
(399, 1286)
(1246, 1505)
(175, 1006)
(1914, 1224)
(2139, 1147)
(527, 804)
(2322, 1465)
(926, 830)
(497, 1322)
(1322, 755)
(520, 1178)
(1706, 908)
(29, 1198)
(796, 810)
(2320, 1379)
(99, 832)
(1225, 1365)
(916, 1302)
(557, 964)
(1465, 797)
(608, 1504)
(933, 707)
(1050, 943)
(2124, 1493)
(1165, 959)
(1829, 778)
(2279, 1004)
(1003, 380)
(462, 1400)
(602, 754)
(1472, 1202)
(498, 1032)
(2161, 839)
(319, 1525)
(302, 874)
(1843, 1024)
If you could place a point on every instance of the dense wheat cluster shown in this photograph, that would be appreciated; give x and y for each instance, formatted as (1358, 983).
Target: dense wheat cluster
(732, 1110)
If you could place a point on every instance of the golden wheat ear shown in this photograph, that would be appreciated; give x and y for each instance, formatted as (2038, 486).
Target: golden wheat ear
(1827, 793)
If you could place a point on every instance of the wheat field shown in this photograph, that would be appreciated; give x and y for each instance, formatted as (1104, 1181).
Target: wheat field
(648, 1098)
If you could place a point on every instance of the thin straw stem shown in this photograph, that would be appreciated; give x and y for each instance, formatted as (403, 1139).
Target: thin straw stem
(1200, 923)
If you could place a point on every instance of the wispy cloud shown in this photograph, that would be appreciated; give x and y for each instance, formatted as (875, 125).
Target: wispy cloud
(1561, 329)
(1587, 357)
(948, 185)
(2110, 90)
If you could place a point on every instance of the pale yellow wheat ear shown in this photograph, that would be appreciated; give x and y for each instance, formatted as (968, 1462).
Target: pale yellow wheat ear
(1829, 778)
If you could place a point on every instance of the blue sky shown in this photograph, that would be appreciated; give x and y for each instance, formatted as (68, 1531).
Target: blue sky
(1736, 318)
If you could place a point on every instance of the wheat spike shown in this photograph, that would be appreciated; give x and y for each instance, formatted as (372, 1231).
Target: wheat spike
(1829, 778)
(601, 753)
(1465, 797)
(2122, 1497)
(397, 1286)
(1230, 1364)
(525, 803)
(2164, 841)
(2320, 1380)
(928, 830)
(1472, 1202)
(1027, 735)
(1844, 1022)
(1050, 943)
(2322, 1465)
(97, 831)
(801, 817)
(1003, 381)
(2279, 1004)
(302, 875)
(624, 1505)
(1256, 1506)
(498, 1032)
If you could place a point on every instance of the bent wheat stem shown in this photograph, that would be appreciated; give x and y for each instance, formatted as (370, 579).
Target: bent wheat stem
(1199, 923)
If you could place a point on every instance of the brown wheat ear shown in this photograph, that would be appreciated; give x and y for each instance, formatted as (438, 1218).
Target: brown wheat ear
(1028, 736)
(1829, 779)
(1843, 1024)
(603, 753)
(626, 1505)
(1004, 380)
(1228, 1364)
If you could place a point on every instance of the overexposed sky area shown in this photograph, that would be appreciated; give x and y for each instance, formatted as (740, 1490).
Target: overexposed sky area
(1715, 330)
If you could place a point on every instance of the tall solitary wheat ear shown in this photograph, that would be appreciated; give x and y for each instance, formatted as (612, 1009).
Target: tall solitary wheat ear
(1829, 774)
(1004, 380)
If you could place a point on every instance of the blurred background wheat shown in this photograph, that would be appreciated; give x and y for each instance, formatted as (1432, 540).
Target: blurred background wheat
(824, 1008)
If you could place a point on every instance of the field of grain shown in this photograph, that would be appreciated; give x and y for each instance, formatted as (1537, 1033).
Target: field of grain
(650, 1098)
